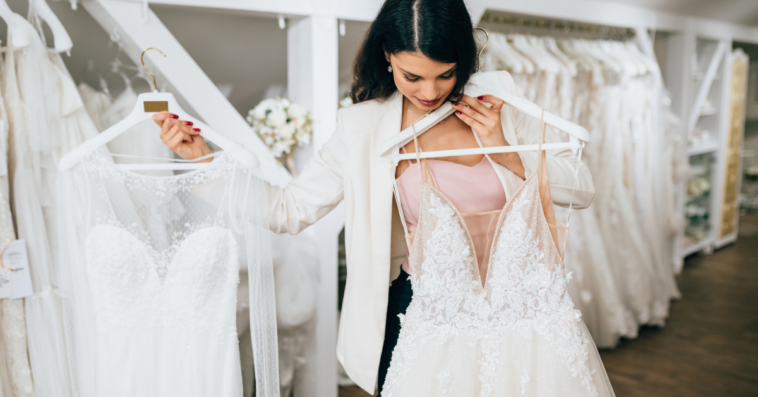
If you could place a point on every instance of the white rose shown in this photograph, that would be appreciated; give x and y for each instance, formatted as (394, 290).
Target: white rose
(260, 111)
(277, 118)
(285, 131)
(303, 137)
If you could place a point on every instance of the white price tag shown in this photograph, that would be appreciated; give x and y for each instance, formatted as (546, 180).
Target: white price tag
(15, 279)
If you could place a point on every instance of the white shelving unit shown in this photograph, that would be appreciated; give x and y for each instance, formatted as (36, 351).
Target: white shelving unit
(699, 78)
(704, 132)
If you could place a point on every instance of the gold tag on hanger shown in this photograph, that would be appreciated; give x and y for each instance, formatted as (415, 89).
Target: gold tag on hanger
(156, 106)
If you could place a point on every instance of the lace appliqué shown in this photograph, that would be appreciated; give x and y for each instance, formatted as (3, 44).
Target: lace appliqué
(444, 377)
(162, 188)
(524, 382)
(160, 257)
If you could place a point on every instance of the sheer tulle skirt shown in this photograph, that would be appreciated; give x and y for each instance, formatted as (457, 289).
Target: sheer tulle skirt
(525, 364)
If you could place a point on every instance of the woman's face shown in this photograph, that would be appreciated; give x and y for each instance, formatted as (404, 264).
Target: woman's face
(426, 83)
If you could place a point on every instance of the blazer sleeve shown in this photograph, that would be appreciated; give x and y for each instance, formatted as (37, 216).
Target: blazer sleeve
(561, 163)
(313, 194)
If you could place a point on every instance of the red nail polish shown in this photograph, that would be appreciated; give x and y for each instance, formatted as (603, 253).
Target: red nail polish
(480, 97)
(174, 116)
(455, 103)
(196, 129)
(458, 112)
(189, 123)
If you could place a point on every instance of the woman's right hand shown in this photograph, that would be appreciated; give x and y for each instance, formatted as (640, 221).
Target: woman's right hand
(181, 137)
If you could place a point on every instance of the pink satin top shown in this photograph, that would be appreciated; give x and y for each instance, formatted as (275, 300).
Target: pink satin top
(472, 190)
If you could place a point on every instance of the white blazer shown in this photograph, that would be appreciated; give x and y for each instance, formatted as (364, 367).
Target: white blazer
(349, 168)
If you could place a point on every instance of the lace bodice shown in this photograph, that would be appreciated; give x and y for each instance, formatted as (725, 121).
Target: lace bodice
(131, 291)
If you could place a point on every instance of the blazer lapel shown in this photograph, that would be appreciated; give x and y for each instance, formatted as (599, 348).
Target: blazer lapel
(382, 172)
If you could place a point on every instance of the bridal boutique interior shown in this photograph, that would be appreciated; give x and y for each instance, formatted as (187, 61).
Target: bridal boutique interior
(662, 263)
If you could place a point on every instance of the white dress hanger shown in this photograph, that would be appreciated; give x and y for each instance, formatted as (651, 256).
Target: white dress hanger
(520, 43)
(501, 51)
(19, 34)
(582, 61)
(483, 83)
(550, 45)
(650, 64)
(62, 41)
(554, 64)
(511, 51)
(147, 105)
(630, 66)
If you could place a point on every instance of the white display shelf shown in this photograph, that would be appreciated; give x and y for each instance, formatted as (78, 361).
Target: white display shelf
(702, 245)
(702, 149)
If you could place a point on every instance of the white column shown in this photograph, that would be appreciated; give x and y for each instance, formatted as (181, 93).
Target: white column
(312, 82)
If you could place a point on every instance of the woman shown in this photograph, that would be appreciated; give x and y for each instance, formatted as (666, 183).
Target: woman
(416, 55)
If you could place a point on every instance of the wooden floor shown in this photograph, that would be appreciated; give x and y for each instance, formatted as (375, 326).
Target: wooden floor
(709, 346)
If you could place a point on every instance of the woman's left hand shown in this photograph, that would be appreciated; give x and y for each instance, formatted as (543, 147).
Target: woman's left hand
(484, 120)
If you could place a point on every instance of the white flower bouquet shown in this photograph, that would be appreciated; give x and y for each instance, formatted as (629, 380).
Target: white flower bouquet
(282, 125)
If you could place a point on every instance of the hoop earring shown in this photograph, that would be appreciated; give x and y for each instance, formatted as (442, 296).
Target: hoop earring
(389, 68)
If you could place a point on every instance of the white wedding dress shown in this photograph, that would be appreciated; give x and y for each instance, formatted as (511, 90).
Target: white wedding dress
(31, 170)
(17, 376)
(513, 332)
(96, 103)
(156, 317)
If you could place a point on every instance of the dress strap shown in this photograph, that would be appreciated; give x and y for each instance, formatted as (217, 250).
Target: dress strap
(542, 178)
(396, 193)
(396, 190)
(544, 186)
(424, 171)
(573, 189)
(541, 160)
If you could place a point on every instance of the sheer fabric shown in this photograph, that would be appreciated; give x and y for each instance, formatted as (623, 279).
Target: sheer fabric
(513, 332)
(150, 311)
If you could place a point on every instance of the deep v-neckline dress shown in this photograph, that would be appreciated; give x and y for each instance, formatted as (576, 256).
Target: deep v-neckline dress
(513, 333)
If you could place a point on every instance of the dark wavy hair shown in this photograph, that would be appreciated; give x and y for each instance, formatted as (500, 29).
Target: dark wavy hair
(439, 29)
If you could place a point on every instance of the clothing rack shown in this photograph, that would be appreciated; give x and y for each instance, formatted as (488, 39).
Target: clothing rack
(521, 23)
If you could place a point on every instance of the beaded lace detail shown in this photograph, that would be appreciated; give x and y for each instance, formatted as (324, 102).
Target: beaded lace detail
(525, 291)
